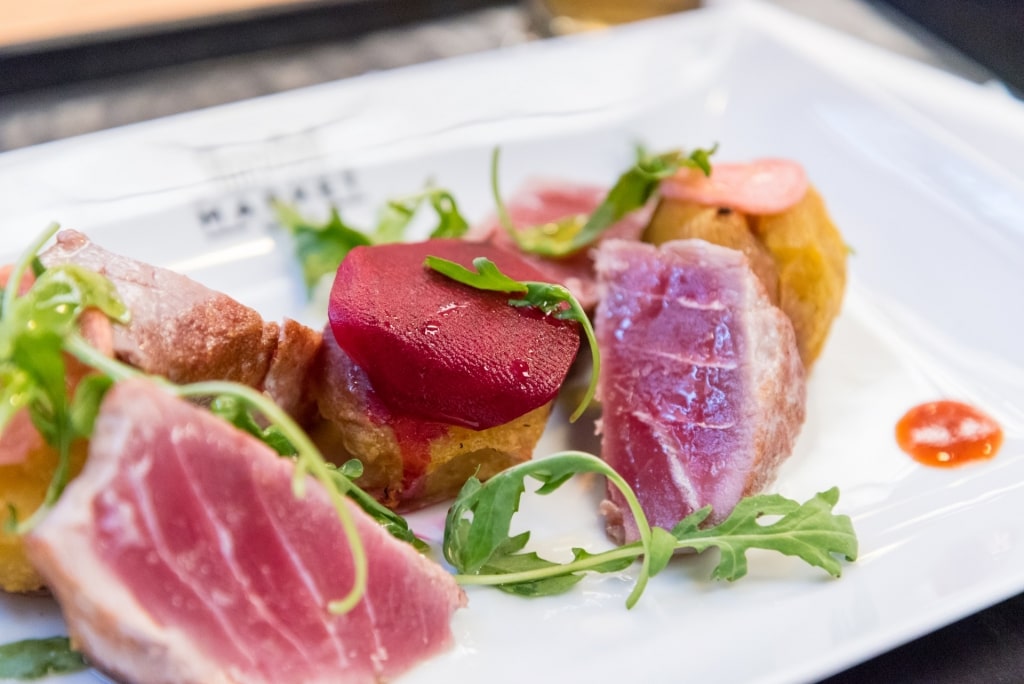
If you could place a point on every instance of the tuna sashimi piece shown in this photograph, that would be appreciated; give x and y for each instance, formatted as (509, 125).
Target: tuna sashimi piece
(187, 332)
(541, 202)
(439, 350)
(287, 379)
(701, 381)
(181, 554)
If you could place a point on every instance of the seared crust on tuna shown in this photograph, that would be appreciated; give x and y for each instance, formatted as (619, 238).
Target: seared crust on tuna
(187, 332)
(287, 379)
(180, 329)
(182, 555)
(701, 383)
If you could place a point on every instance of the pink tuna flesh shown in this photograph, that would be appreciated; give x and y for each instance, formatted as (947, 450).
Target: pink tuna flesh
(436, 349)
(181, 554)
(701, 383)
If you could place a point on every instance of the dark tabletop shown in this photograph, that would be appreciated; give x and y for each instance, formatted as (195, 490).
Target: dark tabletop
(53, 92)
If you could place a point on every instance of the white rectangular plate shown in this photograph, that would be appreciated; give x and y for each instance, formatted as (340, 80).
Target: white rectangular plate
(933, 310)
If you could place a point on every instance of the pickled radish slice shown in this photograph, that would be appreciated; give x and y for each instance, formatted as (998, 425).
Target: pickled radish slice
(764, 186)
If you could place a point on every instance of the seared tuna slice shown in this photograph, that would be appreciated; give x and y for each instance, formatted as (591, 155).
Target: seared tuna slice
(701, 381)
(187, 332)
(287, 379)
(181, 554)
(541, 202)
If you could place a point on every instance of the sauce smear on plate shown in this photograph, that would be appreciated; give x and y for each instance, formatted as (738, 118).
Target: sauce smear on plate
(948, 433)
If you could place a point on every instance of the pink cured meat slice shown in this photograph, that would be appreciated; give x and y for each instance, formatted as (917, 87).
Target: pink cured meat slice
(761, 187)
(543, 201)
(701, 381)
(180, 554)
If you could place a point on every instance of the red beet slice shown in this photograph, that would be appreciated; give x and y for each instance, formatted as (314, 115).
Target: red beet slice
(437, 349)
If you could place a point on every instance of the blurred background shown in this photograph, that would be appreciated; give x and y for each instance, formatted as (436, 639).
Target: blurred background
(70, 67)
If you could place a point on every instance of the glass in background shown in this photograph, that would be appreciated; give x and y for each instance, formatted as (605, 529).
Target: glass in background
(559, 17)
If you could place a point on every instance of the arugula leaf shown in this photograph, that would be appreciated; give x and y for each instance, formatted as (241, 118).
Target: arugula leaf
(320, 247)
(85, 405)
(631, 191)
(32, 367)
(235, 412)
(450, 221)
(478, 545)
(35, 368)
(16, 391)
(809, 531)
(512, 563)
(352, 468)
(397, 214)
(487, 275)
(553, 300)
(470, 545)
(37, 267)
(52, 306)
(38, 658)
(700, 159)
(393, 523)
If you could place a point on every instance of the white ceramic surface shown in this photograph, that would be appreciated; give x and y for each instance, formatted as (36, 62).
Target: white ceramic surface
(933, 310)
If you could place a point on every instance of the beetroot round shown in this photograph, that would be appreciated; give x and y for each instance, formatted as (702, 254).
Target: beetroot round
(443, 351)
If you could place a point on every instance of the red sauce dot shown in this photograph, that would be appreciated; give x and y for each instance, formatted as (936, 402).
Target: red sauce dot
(948, 433)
